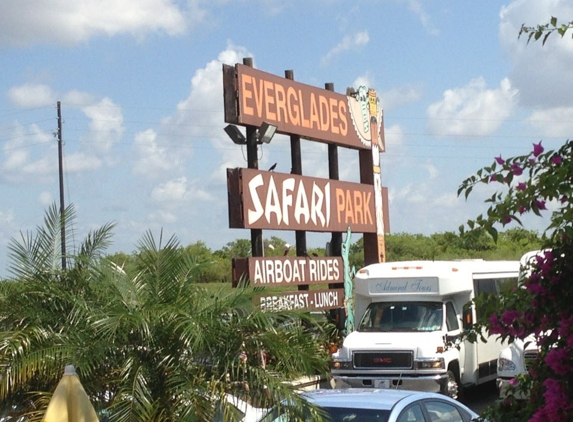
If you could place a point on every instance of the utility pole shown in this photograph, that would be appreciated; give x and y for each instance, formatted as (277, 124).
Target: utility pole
(61, 178)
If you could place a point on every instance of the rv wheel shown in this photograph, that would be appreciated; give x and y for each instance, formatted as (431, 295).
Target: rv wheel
(453, 386)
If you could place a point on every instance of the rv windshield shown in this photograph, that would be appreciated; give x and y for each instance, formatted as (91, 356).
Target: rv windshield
(402, 317)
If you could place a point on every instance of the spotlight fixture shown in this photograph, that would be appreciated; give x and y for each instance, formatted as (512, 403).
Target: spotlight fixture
(266, 133)
(235, 134)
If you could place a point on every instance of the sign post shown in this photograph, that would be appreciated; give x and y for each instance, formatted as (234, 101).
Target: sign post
(260, 200)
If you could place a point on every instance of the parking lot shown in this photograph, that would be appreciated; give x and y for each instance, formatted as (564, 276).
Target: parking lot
(479, 398)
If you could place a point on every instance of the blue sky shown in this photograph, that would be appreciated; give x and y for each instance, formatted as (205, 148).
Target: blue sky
(140, 84)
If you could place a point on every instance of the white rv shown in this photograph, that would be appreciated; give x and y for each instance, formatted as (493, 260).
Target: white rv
(515, 358)
(409, 313)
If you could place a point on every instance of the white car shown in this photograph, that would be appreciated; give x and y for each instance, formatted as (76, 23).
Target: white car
(380, 405)
(246, 412)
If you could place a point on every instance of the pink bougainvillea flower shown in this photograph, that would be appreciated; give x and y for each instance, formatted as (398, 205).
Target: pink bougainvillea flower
(521, 186)
(522, 209)
(570, 340)
(556, 159)
(537, 149)
(563, 199)
(508, 317)
(495, 326)
(557, 407)
(505, 220)
(557, 360)
(493, 178)
(535, 287)
(516, 169)
(499, 160)
(540, 204)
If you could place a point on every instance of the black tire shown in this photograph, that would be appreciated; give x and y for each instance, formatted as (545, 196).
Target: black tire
(453, 388)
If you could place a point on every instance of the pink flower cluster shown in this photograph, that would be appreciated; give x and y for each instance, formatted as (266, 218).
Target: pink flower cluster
(558, 407)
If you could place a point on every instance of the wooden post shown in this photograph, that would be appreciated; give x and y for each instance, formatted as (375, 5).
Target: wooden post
(296, 168)
(253, 163)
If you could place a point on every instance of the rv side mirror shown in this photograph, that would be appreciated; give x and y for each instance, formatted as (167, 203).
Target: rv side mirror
(468, 319)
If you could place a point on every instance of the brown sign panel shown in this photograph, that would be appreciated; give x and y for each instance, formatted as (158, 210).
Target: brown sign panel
(307, 300)
(253, 97)
(288, 270)
(269, 200)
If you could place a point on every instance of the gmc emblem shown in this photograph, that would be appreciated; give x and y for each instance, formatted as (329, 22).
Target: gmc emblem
(382, 360)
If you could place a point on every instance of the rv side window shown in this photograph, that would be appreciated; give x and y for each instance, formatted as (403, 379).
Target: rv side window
(492, 286)
(451, 318)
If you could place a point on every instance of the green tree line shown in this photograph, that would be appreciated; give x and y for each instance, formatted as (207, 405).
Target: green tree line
(512, 244)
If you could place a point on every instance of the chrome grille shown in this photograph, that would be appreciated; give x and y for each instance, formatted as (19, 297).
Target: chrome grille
(529, 357)
(383, 360)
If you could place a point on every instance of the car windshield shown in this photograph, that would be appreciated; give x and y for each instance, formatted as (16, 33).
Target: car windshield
(334, 414)
(402, 317)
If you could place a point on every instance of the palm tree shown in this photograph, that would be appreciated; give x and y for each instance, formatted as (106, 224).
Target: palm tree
(149, 342)
(44, 309)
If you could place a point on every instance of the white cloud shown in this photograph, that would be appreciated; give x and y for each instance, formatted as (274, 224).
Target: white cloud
(166, 153)
(152, 159)
(45, 199)
(79, 98)
(163, 216)
(364, 80)
(349, 42)
(415, 6)
(399, 96)
(554, 122)
(171, 192)
(77, 162)
(432, 170)
(19, 165)
(426, 207)
(32, 95)
(394, 135)
(472, 110)
(171, 197)
(29, 22)
(447, 200)
(105, 127)
(541, 73)
(24, 162)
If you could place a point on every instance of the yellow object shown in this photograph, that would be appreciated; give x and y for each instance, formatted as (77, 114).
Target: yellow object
(70, 403)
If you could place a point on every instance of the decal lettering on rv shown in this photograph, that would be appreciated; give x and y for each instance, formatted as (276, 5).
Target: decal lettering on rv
(406, 285)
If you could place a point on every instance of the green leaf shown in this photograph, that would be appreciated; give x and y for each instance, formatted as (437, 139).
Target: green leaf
(468, 191)
(492, 232)
(553, 21)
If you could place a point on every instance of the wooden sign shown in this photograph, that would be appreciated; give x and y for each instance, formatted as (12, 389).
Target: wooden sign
(253, 97)
(288, 270)
(269, 200)
(305, 300)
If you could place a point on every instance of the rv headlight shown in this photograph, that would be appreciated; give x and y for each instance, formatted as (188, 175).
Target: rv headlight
(430, 363)
(504, 364)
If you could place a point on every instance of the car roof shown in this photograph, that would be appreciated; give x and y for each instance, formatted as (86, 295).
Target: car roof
(372, 398)
(365, 398)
